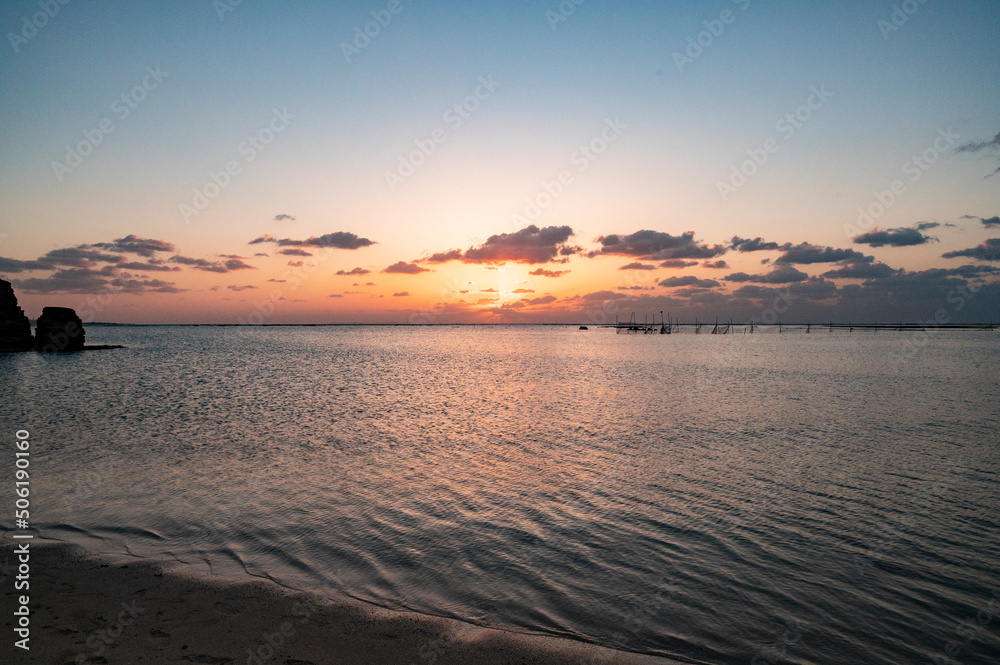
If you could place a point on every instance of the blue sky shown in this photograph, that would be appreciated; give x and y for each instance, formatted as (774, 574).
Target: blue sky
(349, 121)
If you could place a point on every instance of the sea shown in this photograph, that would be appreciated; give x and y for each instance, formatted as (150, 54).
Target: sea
(774, 497)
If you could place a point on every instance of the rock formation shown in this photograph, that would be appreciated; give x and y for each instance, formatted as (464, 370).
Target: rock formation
(59, 329)
(15, 331)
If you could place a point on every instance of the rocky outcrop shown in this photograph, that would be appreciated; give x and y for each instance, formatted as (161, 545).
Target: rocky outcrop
(59, 329)
(15, 330)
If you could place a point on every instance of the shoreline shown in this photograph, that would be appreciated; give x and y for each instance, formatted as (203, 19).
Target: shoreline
(87, 608)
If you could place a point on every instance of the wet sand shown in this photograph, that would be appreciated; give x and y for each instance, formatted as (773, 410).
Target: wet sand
(90, 610)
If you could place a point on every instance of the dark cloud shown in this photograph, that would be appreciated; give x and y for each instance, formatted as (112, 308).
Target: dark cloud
(814, 288)
(444, 257)
(602, 295)
(806, 253)
(12, 266)
(404, 268)
(862, 271)
(354, 271)
(89, 281)
(638, 266)
(284, 218)
(187, 261)
(337, 240)
(981, 146)
(755, 245)
(229, 265)
(82, 256)
(987, 222)
(689, 281)
(543, 300)
(232, 287)
(151, 266)
(294, 252)
(133, 244)
(541, 272)
(784, 274)
(677, 263)
(264, 254)
(530, 245)
(296, 264)
(899, 237)
(978, 146)
(989, 250)
(715, 265)
(336, 295)
(657, 246)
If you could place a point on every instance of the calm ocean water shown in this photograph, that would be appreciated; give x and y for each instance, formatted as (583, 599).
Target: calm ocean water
(724, 499)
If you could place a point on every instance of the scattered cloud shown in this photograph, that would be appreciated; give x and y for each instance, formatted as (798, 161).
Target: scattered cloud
(294, 252)
(188, 261)
(230, 265)
(523, 291)
(987, 222)
(232, 287)
(541, 272)
(337, 240)
(862, 271)
(755, 245)
(530, 245)
(989, 250)
(656, 246)
(353, 271)
(152, 266)
(444, 257)
(806, 253)
(638, 266)
(784, 274)
(678, 263)
(284, 218)
(12, 266)
(899, 237)
(133, 244)
(716, 265)
(401, 294)
(404, 268)
(689, 281)
(978, 146)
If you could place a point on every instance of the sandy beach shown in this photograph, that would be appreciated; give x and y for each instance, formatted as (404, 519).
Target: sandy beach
(97, 610)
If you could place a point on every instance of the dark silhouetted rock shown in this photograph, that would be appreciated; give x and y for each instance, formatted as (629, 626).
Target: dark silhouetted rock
(15, 330)
(59, 329)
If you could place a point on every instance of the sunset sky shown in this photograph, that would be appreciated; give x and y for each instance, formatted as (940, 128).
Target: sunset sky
(509, 162)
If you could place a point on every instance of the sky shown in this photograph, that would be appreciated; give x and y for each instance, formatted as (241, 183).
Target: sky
(401, 161)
